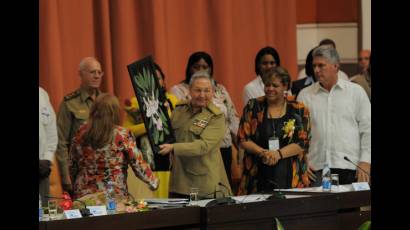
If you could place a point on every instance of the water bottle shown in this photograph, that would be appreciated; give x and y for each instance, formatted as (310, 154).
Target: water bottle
(40, 208)
(110, 197)
(326, 179)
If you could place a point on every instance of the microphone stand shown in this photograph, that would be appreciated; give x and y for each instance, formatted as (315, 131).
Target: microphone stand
(275, 194)
(220, 201)
(348, 160)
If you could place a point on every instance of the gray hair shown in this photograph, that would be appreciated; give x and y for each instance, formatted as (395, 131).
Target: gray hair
(85, 61)
(200, 75)
(327, 52)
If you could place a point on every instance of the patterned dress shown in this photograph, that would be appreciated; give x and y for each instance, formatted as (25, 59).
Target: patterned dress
(91, 169)
(292, 171)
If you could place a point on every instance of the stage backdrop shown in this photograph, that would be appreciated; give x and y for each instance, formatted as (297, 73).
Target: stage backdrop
(118, 32)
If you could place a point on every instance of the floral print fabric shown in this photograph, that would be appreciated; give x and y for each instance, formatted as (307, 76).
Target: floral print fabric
(299, 133)
(91, 169)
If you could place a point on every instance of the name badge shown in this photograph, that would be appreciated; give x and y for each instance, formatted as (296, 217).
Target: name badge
(72, 214)
(273, 144)
(98, 210)
(361, 186)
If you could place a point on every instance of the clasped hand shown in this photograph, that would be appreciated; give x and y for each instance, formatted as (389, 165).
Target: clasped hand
(165, 149)
(270, 158)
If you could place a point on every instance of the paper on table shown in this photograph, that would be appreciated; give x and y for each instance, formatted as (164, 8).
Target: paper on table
(296, 196)
(251, 198)
(167, 201)
(342, 188)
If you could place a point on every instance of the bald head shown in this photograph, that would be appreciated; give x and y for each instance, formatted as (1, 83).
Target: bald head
(86, 62)
(364, 60)
(90, 73)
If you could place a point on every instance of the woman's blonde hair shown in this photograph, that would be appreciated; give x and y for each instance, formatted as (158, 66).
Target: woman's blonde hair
(104, 115)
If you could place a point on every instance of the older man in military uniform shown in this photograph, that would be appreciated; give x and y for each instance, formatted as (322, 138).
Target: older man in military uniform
(199, 129)
(74, 111)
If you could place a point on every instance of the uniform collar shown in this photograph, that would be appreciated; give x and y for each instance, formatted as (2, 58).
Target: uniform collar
(85, 96)
(211, 107)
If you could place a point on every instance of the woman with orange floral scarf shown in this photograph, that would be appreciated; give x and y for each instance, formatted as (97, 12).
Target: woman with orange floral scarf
(275, 134)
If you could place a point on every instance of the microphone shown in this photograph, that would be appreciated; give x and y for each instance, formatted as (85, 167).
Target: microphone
(275, 194)
(220, 201)
(347, 159)
(84, 211)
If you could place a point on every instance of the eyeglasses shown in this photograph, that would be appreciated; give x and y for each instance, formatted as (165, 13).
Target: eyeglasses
(199, 91)
(95, 72)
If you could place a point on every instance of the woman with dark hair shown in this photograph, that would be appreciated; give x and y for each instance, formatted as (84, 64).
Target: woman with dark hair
(275, 134)
(265, 60)
(310, 78)
(102, 150)
(202, 61)
(133, 121)
(198, 61)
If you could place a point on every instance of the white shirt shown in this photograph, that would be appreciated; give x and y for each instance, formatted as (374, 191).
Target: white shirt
(340, 75)
(47, 128)
(340, 124)
(255, 89)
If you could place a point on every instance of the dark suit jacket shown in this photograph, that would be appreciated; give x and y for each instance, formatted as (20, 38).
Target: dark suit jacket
(298, 85)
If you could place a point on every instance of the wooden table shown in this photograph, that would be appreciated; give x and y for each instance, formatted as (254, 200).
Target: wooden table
(319, 211)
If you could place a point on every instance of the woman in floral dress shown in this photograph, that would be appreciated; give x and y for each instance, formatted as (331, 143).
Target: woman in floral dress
(275, 134)
(102, 150)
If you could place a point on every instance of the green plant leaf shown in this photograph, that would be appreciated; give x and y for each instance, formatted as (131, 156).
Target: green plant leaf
(365, 225)
(278, 224)
(162, 115)
(141, 84)
(166, 130)
(156, 136)
(136, 81)
(143, 79)
(152, 81)
(150, 123)
(161, 137)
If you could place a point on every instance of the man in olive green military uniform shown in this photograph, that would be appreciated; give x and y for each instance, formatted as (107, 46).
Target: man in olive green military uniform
(199, 129)
(74, 110)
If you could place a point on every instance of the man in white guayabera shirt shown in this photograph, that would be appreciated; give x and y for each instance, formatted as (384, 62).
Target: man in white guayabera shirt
(47, 137)
(340, 121)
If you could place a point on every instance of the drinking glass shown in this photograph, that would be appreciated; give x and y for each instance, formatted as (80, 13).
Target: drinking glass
(335, 182)
(193, 195)
(52, 209)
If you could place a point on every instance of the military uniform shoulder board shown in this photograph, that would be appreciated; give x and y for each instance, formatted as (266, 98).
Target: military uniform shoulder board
(214, 109)
(72, 95)
(181, 103)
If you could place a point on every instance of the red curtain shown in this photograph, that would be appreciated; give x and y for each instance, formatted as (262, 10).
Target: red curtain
(119, 32)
